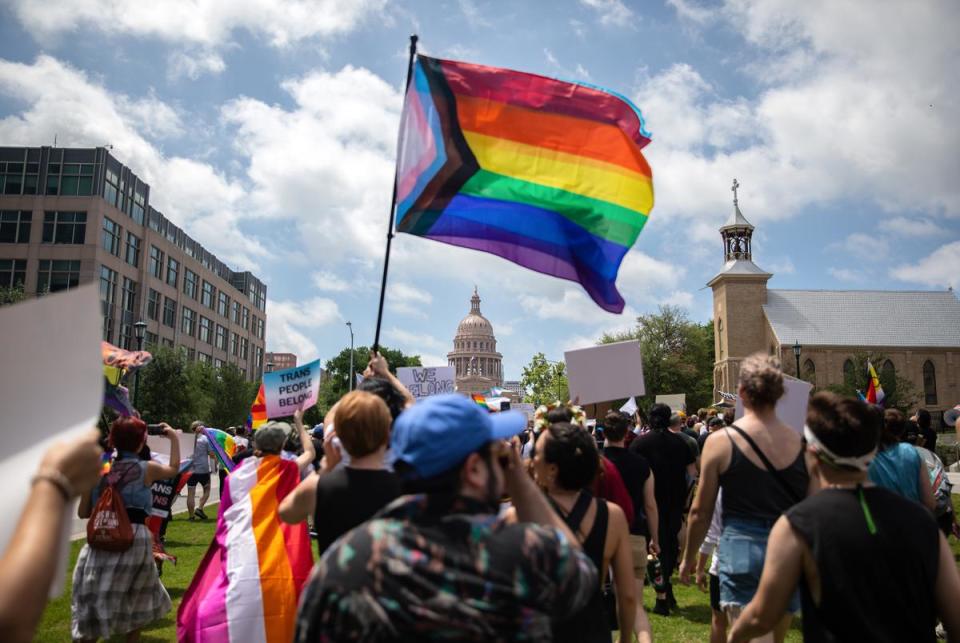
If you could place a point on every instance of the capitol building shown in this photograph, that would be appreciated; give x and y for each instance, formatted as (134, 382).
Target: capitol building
(479, 367)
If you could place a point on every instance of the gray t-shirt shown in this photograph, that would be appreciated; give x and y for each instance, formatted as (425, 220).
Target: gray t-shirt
(201, 455)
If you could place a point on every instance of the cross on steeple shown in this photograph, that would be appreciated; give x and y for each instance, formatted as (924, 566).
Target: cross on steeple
(736, 184)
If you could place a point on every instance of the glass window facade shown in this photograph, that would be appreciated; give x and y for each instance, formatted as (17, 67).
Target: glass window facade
(15, 226)
(55, 275)
(132, 255)
(64, 227)
(111, 237)
(13, 272)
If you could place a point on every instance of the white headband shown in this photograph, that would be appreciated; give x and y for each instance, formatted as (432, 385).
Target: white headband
(860, 462)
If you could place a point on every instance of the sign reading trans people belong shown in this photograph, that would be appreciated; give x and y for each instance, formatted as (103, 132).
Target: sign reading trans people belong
(426, 381)
(291, 389)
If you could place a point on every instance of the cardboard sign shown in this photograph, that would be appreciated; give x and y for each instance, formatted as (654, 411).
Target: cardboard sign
(527, 408)
(606, 372)
(676, 402)
(51, 389)
(792, 407)
(629, 407)
(424, 381)
(291, 389)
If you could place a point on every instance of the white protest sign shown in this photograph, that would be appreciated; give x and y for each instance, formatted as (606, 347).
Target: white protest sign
(525, 407)
(792, 407)
(629, 407)
(51, 388)
(676, 402)
(424, 381)
(291, 389)
(606, 372)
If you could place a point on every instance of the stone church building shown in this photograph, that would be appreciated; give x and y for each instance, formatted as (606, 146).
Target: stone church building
(917, 331)
(479, 367)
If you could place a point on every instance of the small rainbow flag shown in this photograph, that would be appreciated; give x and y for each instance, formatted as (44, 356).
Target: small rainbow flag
(248, 584)
(223, 445)
(875, 394)
(544, 173)
(480, 400)
(258, 411)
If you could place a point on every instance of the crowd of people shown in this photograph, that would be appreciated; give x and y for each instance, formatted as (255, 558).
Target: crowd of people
(439, 520)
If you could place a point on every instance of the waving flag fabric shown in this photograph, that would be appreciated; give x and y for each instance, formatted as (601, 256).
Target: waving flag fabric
(545, 173)
(223, 445)
(258, 411)
(248, 585)
(875, 394)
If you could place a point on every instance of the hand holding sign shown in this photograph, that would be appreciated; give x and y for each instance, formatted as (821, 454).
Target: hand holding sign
(291, 389)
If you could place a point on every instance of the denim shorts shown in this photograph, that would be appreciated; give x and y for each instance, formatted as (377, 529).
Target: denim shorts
(740, 556)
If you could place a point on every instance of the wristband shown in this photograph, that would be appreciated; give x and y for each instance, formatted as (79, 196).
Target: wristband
(57, 479)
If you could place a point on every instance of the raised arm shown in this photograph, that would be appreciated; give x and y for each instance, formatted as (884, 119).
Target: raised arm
(309, 454)
(301, 502)
(379, 367)
(157, 471)
(28, 565)
(927, 498)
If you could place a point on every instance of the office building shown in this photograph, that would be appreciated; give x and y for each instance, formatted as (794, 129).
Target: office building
(71, 216)
(279, 361)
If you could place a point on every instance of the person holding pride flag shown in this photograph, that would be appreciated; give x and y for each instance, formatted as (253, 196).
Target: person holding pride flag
(249, 582)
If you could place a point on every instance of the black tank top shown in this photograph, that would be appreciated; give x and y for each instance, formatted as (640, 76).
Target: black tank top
(589, 625)
(874, 587)
(754, 493)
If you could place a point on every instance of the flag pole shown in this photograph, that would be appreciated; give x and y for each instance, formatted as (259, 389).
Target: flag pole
(393, 205)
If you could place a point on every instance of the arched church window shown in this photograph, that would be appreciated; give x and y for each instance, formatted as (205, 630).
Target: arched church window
(888, 369)
(929, 382)
(848, 373)
(810, 371)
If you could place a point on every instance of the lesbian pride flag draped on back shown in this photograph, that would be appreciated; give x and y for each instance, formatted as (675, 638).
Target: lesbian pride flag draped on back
(248, 585)
(545, 173)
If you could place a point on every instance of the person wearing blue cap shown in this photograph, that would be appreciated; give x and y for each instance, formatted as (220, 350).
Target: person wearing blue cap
(441, 564)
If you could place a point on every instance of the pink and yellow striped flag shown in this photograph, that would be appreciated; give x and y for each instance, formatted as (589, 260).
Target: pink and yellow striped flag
(248, 585)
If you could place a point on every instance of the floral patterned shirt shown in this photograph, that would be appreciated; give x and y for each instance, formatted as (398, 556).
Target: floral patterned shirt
(428, 569)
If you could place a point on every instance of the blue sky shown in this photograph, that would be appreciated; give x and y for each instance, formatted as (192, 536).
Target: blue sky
(267, 129)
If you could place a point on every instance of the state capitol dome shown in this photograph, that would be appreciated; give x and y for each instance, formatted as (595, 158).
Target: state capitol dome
(477, 363)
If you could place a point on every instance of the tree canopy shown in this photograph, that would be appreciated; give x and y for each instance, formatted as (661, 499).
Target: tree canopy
(544, 381)
(677, 355)
(336, 376)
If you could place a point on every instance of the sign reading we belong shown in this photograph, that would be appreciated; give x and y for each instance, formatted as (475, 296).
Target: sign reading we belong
(426, 381)
(291, 389)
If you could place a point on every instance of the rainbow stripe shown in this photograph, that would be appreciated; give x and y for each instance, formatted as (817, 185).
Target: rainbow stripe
(875, 394)
(545, 173)
(223, 445)
(248, 585)
(258, 411)
(480, 400)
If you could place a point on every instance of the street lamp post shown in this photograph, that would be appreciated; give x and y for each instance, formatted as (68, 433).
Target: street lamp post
(796, 353)
(350, 326)
(139, 331)
(557, 365)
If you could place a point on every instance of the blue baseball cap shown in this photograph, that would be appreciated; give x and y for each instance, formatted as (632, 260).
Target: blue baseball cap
(439, 433)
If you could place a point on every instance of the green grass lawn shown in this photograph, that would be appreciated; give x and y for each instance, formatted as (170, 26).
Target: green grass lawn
(189, 541)
(186, 540)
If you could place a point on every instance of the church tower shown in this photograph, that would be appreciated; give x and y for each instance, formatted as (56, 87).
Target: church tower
(739, 293)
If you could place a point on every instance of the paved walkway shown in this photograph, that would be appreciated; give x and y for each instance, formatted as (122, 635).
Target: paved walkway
(79, 528)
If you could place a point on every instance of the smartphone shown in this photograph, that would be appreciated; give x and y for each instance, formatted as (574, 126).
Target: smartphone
(155, 429)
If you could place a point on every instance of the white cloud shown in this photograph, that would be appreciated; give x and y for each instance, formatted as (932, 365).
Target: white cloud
(908, 227)
(680, 298)
(863, 246)
(324, 280)
(408, 300)
(472, 13)
(292, 321)
(780, 266)
(690, 11)
(942, 268)
(611, 13)
(64, 102)
(342, 132)
(201, 22)
(193, 64)
(832, 75)
(847, 274)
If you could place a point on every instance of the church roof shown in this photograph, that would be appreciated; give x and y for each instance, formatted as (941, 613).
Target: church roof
(736, 219)
(865, 317)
